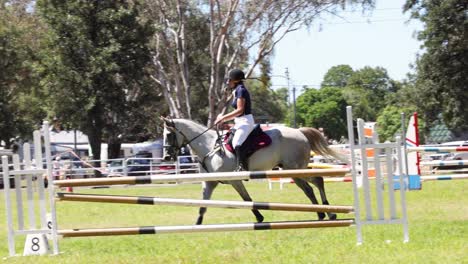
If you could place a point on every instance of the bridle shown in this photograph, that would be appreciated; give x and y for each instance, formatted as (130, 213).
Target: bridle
(174, 149)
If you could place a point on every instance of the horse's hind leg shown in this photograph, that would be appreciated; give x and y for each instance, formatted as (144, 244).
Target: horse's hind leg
(319, 183)
(240, 188)
(208, 188)
(309, 192)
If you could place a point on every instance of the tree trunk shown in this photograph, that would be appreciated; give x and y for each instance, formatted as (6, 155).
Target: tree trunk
(113, 148)
(94, 130)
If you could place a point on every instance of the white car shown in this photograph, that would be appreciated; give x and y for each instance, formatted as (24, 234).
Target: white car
(462, 143)
(457, 156)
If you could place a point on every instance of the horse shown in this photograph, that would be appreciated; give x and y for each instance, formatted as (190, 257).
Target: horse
(290, 149)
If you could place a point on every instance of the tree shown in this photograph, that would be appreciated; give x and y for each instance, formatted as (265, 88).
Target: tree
(389, 122)
(94, 67)
(441, 69)
(326, 108)
(20, 108)
(242, 34)
(268, 105)
(337, 76)
(368, 90)
(180, 56)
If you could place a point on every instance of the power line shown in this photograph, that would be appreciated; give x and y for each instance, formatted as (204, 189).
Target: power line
(365, 22)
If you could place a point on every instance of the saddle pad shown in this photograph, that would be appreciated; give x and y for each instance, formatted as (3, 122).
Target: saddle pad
(251, 144)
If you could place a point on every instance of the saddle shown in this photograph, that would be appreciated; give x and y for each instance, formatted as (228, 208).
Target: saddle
(256, 140)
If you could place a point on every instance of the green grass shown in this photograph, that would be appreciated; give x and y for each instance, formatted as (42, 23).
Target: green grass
(438, 218)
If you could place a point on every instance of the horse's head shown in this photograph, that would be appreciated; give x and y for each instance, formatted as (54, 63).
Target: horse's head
(173, 140)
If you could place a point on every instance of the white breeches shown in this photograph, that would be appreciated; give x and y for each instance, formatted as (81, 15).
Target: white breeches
(243, 125)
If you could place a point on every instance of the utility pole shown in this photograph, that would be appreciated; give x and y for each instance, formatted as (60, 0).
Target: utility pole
(294, 105)
(286, 73)
(294, 97)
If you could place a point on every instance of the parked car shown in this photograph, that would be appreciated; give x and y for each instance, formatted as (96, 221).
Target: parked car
(12, 179)
(138, 166)
(457, 156)
(462, 143)
(115, 168)
(453, 156)
(142, 164)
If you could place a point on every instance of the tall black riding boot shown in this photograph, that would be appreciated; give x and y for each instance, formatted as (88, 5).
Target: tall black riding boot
(240, 159)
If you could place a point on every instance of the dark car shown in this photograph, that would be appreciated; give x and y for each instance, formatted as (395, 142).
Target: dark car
(12, 178)
(139, 165)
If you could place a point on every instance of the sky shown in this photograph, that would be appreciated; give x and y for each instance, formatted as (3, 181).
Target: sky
(385, 37)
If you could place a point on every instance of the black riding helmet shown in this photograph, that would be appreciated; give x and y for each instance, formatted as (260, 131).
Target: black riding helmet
(236, 75)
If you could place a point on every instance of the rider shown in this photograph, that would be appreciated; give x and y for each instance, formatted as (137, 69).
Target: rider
(242, 115)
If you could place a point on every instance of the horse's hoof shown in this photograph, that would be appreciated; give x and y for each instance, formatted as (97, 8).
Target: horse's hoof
(199, 221)
(321, 216)
(332, 216)
(260, 219)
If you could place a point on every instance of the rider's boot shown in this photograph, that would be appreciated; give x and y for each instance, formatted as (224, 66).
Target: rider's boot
(240, 159)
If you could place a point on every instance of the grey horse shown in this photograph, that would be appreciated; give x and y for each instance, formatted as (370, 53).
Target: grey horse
(290, 149)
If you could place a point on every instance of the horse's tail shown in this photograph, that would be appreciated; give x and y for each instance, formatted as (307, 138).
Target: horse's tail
(319, 144)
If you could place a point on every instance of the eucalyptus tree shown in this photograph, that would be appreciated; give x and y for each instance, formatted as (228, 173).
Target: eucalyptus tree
(241, 34)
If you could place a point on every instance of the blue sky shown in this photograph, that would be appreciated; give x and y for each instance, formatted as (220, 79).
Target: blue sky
(382, 38)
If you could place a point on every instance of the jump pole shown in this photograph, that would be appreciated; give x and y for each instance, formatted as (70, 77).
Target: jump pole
(438, 149)
(445, 163)
(444, 177)
(197, 177)
(202, 203)
(147, 230)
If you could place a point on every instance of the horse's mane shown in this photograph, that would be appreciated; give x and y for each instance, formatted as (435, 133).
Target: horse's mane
(191, 122)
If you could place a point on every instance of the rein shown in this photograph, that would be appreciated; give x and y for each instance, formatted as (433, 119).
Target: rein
(187, 142)
(191, 140)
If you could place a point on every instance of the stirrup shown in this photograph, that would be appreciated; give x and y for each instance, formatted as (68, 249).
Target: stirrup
(239, 168)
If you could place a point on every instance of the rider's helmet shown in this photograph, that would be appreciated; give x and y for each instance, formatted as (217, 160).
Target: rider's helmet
(236, 75)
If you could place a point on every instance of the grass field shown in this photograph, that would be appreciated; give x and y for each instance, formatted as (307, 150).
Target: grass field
(438, 218)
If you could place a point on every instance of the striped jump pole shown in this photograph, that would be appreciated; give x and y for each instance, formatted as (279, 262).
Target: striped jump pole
(445, 163)
(198, 177)
(343, 179)
(339, 179)
(444, 171)
(318, 165)
(201, 203)
(444, 177)
(151, 230)
(438, 149)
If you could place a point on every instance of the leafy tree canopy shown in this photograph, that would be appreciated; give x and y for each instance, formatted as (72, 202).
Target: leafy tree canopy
(337, 76)
(367, 91)
(324, 108)
(441, 75)
(93, 68)
(20, 100)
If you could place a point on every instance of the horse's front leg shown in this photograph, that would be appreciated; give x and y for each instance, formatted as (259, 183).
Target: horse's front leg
(319, 183)
(309, 192)
(208, 188)
(240, 188)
